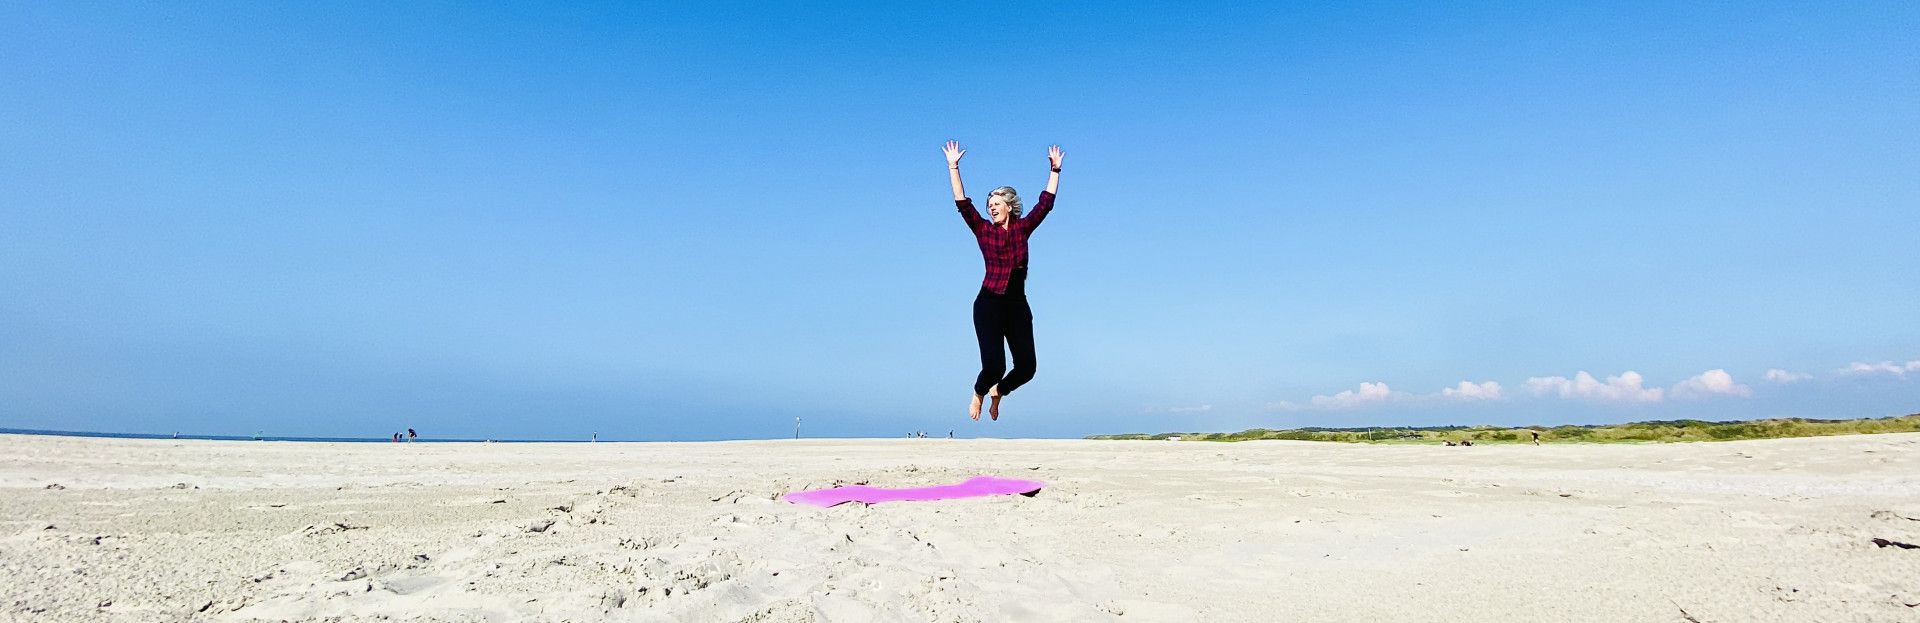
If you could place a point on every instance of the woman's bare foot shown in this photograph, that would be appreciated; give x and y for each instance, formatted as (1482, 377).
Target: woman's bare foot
(975, 409)
(994, 409)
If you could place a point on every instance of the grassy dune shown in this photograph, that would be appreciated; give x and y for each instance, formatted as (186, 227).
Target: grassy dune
(1668, 430)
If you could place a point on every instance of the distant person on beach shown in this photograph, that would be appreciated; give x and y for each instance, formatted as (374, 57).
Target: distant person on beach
(1536, 438)
(1001, 317)
(411, 435)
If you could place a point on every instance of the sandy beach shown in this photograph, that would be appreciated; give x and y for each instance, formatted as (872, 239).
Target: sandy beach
(161, 530)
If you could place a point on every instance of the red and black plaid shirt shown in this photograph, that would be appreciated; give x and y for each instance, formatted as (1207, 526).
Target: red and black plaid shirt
(1004, 249)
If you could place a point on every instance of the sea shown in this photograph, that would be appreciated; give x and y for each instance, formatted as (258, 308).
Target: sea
(261, 437)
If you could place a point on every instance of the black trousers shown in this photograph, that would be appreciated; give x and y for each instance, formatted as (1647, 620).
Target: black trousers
(1001, 321)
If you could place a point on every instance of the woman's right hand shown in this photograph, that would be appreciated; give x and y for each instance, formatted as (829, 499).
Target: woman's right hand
(954, 152)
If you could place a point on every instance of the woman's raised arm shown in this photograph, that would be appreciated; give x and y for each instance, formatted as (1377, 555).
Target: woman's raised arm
(1053, 160)
(1045, 205)
(960, 200)
(954, 152)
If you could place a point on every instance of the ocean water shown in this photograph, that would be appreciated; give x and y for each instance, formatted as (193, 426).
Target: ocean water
(67, 433)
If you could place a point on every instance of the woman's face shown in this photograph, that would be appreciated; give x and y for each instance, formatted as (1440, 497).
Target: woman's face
(998, 209)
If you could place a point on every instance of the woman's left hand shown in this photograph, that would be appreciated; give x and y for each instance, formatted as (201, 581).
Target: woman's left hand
(1053, 156)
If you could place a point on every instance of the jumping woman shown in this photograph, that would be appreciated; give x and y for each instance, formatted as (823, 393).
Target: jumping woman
(1001, 318)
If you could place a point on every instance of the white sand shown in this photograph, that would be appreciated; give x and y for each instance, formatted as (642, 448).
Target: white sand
(1130, 531)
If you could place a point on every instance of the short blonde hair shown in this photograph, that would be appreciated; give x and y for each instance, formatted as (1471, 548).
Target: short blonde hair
(1011, 196)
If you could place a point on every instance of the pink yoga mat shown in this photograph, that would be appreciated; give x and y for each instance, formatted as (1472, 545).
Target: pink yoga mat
(974, 487)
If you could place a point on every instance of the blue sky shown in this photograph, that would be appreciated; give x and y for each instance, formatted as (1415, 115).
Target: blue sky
(699, 222)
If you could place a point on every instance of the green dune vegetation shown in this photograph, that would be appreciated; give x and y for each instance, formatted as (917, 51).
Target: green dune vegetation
(1634, 432)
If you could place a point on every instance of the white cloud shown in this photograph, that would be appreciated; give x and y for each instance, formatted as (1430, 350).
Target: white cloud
(1467, 390)
(1715, 382)
(1884, 367)
(1369, 393)
(1777, 375)
(1623, 388)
